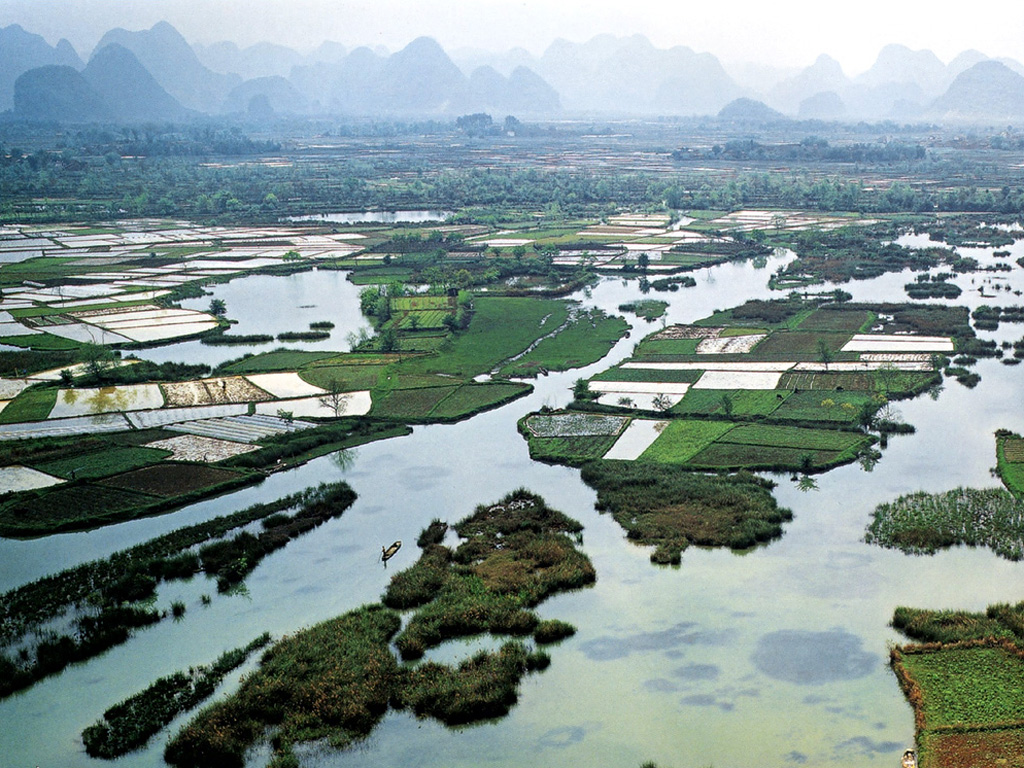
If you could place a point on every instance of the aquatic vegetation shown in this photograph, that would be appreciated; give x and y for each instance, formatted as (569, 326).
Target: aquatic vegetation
(127, 726)
(335, 680)
(513, 555)
(661, 506)
(923, 523)
(481, 687)
(341, 693)
(97, 597)
(649, 309)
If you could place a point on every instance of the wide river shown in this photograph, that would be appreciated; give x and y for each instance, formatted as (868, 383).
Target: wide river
(772, 657)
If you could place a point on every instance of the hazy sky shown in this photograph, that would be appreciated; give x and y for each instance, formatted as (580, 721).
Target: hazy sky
(783, 32)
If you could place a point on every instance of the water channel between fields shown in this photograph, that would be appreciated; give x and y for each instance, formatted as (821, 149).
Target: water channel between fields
(773, 657)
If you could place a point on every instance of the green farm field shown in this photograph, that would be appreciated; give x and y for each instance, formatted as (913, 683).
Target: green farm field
(968, 686)
(682, 439)
(102, 463)
(796, 437)
(743, 402)
(587, 339)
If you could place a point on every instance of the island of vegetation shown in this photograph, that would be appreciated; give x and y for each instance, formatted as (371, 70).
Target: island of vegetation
(512, 555)
(923, 523)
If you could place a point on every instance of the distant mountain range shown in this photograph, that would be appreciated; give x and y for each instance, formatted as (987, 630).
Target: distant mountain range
(156, 74)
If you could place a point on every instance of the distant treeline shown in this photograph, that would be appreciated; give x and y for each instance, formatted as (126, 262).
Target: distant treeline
(811, 149)
(97, 174)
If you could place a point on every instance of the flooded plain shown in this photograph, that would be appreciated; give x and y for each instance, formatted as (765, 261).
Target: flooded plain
(771, 657)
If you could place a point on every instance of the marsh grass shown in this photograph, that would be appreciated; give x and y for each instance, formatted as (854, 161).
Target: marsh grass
(661, 506)
(113, 588)
(130, 724)
(335, 680)
(923, 523)
(513, 555)
(332, 680)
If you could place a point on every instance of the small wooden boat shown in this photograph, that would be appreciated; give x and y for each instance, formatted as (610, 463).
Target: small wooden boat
(909, 759)
(386, 553)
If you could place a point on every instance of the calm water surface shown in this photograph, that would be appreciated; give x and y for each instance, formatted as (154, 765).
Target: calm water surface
(773, 657)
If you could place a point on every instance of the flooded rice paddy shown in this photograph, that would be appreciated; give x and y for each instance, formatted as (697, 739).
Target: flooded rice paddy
(772, 657)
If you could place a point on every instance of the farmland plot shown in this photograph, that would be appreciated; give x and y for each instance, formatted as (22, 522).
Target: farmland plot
(200, 448)
(228, 389)
(349, 404)
(724, 345)
(738, 379)
(284, 385)
(640, 401)
(575, 424)
(18, 478)
(878, 342)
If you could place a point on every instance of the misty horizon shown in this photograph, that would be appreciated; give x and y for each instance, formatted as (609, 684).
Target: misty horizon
(741, 34)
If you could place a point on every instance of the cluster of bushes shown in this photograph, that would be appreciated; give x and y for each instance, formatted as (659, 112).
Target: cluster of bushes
(311, 335)
(342, 692)
(987, 318)
(513, 555)
(225, 339)
(231, 560)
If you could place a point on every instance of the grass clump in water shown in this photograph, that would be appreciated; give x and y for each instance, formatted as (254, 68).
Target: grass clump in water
(127, 726)
(513, 555)
(484, 686)
(330, 681)
(670, 509)
(335, 680)
(923, 523)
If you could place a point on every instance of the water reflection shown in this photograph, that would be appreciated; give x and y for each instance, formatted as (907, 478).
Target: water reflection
(813, 658)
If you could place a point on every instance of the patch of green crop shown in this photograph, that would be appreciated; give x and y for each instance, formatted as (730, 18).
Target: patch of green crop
(349, 378)
(652, 375)
(841, 407)
(798, 345)
(30, 405)
(650, 347)
(968, 686)
(1010, 462)
(730, 402)
(725, 455)
(40, 341)
(588, 337)
(572, 450)
(470, 399)
(275, 361)
(681, 439)
(102, 463)
(500, 329)
(796, 437)
(410, 403)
